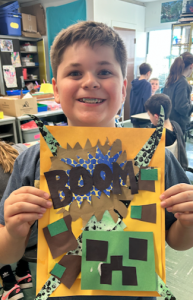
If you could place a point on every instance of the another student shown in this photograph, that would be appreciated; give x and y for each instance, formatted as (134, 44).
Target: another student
(12, 284)
(89, 67)
(178, 89)
(154, 85)
(140, 92)
(173, 130)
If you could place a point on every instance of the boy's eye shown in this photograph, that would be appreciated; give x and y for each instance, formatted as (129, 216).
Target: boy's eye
(74, 74)
(105, 73)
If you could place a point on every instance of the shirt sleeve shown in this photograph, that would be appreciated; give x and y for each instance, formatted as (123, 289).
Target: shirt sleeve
(182, 103)
(174, 174)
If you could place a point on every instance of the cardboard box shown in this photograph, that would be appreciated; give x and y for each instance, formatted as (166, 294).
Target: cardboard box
(29, 23)
(13, 106)
(31, 34)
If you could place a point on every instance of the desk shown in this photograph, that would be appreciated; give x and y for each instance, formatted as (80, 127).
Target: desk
(44, 114)
(142, 116)
(8, 129)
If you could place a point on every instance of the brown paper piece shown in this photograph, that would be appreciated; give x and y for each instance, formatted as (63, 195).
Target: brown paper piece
(149, 213)
(120, 207)
(72, 263)
(105, 148)
(116, 147)
(58, 164)
(62, 242)
(114, 215)
(146, 185)
(122, 158)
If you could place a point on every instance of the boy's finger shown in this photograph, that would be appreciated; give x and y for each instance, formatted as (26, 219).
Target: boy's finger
(31, 190)
(24, 218)
(16, 209)
(176, 189)
(178, 198)
(181, 208)
(30, 198)
(186, 217)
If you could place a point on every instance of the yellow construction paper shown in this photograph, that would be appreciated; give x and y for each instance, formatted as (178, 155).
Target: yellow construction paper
(132, 141)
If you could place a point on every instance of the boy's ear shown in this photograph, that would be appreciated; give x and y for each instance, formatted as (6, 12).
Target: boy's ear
(124, 89)
(55, 88)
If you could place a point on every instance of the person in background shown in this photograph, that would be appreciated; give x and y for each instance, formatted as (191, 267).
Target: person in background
(173, 130)
(178, 89)
(140, 92)
(154, 85)
(12, 284)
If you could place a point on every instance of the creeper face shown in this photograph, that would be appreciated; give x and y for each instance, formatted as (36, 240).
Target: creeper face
(128, 261)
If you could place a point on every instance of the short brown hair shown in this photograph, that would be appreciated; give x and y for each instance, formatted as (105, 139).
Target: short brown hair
(93, 32)
(144, 69)
(153, 105)
(153, 79)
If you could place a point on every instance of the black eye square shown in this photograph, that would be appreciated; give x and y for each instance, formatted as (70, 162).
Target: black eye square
(138, 249)
(96, 250)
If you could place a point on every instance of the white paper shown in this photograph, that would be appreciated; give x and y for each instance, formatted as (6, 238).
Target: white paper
(9, 76)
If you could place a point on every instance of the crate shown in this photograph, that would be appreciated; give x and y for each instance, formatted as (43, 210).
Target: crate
(30, 135)
(16, 92)
(10, 24)
(10, 7)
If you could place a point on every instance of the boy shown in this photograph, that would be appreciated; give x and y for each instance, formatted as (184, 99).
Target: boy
(173, 130)
(89, 66)
(140, 92)
(154, 85)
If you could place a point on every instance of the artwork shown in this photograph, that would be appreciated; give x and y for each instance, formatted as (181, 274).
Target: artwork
(10, 76)
(170, 11)
(15, 59)
(104, 235)
(6, 45)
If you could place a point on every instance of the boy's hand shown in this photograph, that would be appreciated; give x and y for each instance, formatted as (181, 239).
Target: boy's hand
(22, 208)
(179, 200)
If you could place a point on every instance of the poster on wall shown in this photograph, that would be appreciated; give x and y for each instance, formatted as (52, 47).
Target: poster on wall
(170, 11)
(6, 45)
(9, 76)
(15, 59)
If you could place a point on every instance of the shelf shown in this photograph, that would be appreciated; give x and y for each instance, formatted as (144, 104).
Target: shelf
(3, 135)
(28, 52)
(30, 66)
(21, 38)
(31, 79)
(174, 45)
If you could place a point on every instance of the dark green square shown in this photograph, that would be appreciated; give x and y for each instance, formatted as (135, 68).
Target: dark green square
(149, 174)
(136, 212)
(57, 227)
(58, 270)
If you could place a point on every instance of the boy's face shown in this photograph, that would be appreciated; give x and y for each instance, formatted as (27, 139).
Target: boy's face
(153, 118)
(154, 85)
(89, 85)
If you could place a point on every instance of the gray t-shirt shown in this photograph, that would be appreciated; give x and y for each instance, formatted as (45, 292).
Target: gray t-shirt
(27, 170)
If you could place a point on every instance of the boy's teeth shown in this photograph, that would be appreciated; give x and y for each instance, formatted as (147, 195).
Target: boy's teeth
(90, 100)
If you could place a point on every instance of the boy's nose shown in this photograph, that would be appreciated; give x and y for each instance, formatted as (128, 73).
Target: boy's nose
(90, 82)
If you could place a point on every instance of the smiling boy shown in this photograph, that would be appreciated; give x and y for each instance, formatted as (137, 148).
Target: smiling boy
(89, 66)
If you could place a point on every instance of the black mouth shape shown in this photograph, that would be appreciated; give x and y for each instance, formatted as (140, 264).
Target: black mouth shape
(91, 100)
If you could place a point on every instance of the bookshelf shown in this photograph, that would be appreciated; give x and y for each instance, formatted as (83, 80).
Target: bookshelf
(181, 40)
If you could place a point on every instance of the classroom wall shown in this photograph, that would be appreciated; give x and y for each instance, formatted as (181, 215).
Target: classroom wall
(153, 16)
(125, 15)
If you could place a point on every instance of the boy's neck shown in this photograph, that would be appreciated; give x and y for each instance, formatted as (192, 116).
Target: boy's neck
(143, 77)
(168, 125)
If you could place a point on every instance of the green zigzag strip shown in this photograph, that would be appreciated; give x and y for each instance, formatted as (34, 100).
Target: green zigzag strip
(48, 137)
(145, 155)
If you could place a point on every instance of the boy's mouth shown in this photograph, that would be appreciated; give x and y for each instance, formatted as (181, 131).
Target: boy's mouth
(91, 100)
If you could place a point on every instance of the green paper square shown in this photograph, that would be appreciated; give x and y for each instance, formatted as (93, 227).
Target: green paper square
(118, 245)
(149, 174)
(57, 227)
(136, 212)
(58, 270)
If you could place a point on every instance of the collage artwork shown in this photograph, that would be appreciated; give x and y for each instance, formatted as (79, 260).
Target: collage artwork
(105, 234)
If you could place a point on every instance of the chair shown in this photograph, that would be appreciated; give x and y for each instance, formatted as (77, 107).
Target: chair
(174, 149)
